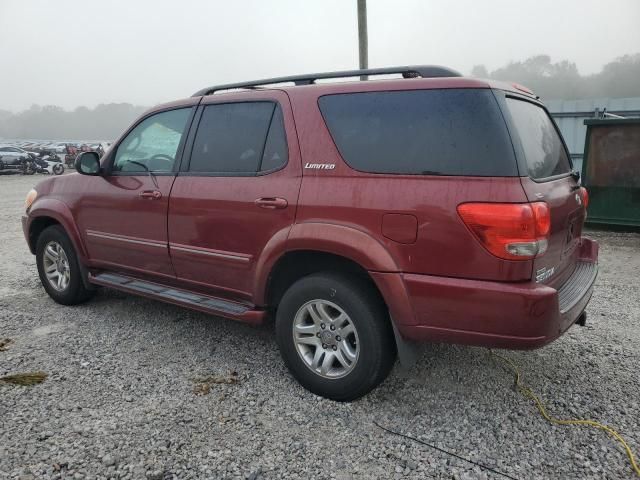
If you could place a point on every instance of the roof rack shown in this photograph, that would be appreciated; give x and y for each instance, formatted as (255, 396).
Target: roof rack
(424, 71)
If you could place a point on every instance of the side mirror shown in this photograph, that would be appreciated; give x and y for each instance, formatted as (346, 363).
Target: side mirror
(88, 163)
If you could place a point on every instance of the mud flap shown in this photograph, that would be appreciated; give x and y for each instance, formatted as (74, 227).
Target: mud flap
(84, 273)
(408, 352)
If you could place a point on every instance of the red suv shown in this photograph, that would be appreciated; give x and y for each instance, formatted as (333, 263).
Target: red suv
(366, 217)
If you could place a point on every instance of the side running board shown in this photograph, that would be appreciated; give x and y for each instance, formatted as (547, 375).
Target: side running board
(196, 301)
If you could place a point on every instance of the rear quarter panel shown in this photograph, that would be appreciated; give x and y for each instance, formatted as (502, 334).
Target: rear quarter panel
(443, 244)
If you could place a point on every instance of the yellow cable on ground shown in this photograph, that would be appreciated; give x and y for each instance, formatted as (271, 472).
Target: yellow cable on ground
(527, 392)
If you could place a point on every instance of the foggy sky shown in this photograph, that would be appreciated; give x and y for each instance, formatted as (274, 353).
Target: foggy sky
(79, 52)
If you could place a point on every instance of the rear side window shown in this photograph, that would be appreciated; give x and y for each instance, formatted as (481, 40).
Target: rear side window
(544, 151)
(428, 132)
(236, 138)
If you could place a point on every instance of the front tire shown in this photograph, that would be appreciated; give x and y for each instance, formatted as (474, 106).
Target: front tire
(58, 267)
(58, 169)
(335, 336)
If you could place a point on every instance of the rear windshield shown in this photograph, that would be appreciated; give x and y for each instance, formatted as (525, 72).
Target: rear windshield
(421, 132)
(543, 149)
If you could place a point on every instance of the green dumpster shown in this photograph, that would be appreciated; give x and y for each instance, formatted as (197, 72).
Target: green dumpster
(611, 171)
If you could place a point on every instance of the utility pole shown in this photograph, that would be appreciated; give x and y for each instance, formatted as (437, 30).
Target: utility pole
(363, 41)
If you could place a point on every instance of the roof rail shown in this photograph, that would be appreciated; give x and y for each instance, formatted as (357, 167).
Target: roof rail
(424, 71)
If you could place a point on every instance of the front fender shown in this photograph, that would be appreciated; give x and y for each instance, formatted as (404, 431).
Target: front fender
(60, 212)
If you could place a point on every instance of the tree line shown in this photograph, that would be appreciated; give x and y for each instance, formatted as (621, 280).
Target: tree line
(560, 80)
(104, 122)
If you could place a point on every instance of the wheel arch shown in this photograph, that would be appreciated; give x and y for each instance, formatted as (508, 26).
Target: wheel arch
(47, 212)
(315, 247)
(36, 227)
(338, 241)
(296, 264)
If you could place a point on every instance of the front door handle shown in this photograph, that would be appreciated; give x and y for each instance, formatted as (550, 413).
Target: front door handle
(151, 194)
(271, 202)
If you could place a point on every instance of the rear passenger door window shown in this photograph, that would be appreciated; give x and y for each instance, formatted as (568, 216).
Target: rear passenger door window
(237, 139)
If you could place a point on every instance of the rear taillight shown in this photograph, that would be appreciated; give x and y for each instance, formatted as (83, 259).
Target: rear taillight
(513, 231)
(585, 197)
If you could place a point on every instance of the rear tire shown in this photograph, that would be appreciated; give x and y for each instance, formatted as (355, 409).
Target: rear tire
(335, 335)
(58, 169)
(58, 267)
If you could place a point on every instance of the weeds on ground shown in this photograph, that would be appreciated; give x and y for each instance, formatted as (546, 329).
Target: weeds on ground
(4, 343)
(24, 379)
(203, 384)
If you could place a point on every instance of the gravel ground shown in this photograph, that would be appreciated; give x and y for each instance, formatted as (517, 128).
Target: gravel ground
(119, 401)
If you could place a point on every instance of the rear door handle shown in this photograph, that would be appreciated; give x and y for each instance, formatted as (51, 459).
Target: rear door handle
(271, 202)
(150, 194)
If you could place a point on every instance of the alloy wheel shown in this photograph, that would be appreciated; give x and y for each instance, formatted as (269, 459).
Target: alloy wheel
(326, 339)
(56, 266)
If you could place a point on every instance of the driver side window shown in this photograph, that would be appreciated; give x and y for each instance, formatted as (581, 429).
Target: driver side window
(153, 144)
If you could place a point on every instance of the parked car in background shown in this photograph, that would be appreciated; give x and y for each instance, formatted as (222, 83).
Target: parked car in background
(12, 157)
(52, 147)
(8, 150)
(365, 217)
(60, 147)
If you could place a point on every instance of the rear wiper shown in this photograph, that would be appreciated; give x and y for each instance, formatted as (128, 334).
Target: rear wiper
(151, 175)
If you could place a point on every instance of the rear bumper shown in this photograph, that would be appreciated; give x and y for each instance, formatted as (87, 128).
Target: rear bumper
(493, 314)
